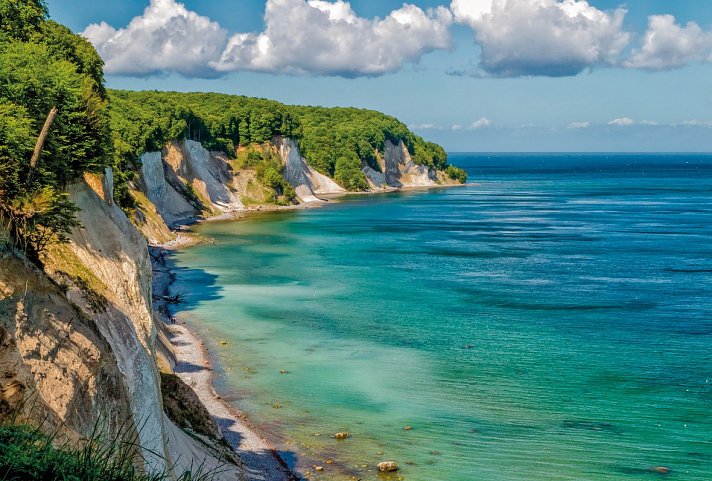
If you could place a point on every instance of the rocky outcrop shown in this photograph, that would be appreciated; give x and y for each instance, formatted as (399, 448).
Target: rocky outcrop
(387, 466)
(169, 204)
(59, 371)
(112, 255)
(307, 182)
(207, 173)
(399, 170)
(185, 181)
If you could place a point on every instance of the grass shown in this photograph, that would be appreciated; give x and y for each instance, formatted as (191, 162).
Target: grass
(26, 454)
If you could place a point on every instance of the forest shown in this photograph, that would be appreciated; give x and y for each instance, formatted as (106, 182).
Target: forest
(335, 141)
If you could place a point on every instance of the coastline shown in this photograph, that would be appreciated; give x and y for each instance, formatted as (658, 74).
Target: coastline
(193, 365)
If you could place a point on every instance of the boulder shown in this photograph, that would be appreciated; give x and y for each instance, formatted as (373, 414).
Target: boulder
(387, 466)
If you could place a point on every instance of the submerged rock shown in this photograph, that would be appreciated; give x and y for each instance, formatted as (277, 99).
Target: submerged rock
(660, 469)
(387, 466)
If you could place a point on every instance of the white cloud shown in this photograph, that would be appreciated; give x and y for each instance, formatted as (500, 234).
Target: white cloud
(479, 123)
(542, 37)
(167, 37)
(622, 122)
(579, 125)
(470, 11)
(328, 38)
(697, 123)
(303, 37)
(667, 45)
(456, 127)
(650, 123)
(423, 127)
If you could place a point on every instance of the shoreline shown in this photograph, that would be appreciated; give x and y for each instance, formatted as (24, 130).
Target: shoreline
(193, 364)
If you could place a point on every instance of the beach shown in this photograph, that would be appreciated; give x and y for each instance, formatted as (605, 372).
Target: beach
(194, 366)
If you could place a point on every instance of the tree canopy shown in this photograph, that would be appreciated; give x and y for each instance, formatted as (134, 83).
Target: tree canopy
(43, 67)
(333, 140)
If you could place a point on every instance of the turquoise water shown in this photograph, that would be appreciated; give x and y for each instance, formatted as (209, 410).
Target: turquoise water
(552, 322)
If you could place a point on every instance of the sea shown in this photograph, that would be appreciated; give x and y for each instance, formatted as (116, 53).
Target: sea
(550, 321)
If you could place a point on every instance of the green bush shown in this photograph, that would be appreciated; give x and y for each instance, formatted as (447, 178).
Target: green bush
(348, 173)
(268, 169)
(456, 173)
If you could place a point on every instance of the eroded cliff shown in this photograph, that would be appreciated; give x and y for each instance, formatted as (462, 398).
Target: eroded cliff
(185, 181)
(78, 339)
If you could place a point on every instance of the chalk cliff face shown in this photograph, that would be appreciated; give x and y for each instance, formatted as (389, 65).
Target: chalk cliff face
(79, 345)
(185, 181)
(116, 254)
(208, 173)
(170, 205)
(307, 182)
(399, 170)
(78, 340)
(59, 370)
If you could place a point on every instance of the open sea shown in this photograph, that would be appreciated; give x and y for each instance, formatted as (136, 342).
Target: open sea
(550, 322)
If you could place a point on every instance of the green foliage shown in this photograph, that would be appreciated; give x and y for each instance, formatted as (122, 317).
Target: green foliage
(28, 455)
(268, 169)
(348, 173)
(17, 143)
(38, 218)
(19, 19)
(43, 65)
(456, 173)
(144, 121)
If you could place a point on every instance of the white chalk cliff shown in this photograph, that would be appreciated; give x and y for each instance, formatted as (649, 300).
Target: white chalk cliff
(307, 182)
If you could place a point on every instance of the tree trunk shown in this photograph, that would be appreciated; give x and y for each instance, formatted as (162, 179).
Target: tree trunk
(40, 142)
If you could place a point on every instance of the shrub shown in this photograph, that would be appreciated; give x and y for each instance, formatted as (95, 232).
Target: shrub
(456, 173)
(348, 173)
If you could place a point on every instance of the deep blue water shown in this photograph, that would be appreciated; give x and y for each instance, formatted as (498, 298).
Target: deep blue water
(552, 321)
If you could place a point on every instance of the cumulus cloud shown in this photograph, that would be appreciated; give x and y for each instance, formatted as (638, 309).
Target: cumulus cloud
(579, 125)
(479, 123)
(329, 38)
(302, 37)
(542, 37)
(622, 122)
(668, 45)
(166, 38)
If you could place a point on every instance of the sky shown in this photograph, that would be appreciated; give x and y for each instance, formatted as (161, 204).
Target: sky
(472, 75)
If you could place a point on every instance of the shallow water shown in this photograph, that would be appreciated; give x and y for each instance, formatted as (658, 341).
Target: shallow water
(552, 322)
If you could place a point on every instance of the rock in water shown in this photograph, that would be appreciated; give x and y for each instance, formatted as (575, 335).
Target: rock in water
(387, 466)
(660, 469)
(341, 435)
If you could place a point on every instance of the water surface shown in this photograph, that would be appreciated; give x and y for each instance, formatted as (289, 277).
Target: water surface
(552, 322)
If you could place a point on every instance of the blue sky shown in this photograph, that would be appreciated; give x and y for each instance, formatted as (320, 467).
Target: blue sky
(473, 75)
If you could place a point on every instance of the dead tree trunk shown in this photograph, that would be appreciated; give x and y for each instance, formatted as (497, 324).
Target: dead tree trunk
(40, 142)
